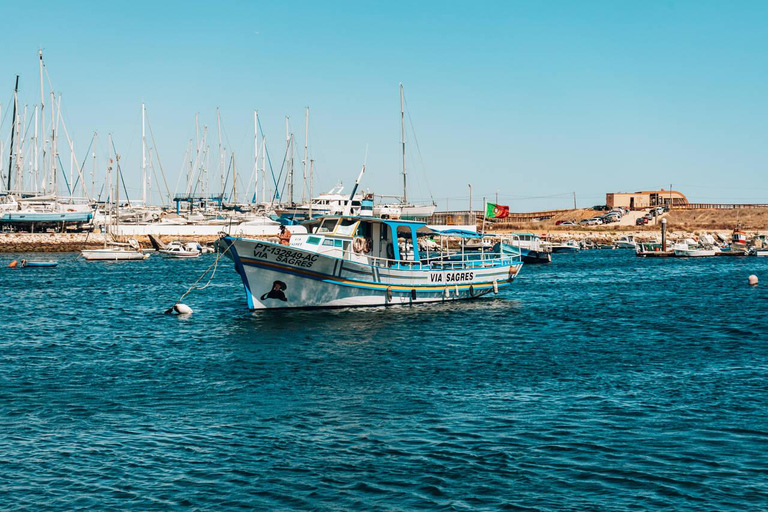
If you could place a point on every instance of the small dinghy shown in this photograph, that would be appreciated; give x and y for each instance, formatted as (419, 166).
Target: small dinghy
(33, 264)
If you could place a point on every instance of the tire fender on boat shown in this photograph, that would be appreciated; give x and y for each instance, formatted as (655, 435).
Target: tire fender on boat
(495, 287)
(471, 290)
(389, 294)
(413, 293)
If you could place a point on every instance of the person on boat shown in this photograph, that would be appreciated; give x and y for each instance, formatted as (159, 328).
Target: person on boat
(284, 236)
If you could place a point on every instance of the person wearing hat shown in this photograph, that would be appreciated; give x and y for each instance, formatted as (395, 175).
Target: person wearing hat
(277, 292)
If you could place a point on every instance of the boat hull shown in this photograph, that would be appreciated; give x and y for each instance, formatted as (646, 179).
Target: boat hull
(40, 264)
(112, 255)
(694, 253)
(279, 277)
(181, 255)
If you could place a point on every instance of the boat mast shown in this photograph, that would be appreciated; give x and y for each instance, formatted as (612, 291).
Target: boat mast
(42, 110)
(13, 131)
(93, 167)
(117, 190)
(289, 160)
(255, 157)
(402, 130)
(304, 162)
(221, 158)
(35, 167)
(53, 178)
(311, 176)
(264, 169)
(143, 156)
(234, 180)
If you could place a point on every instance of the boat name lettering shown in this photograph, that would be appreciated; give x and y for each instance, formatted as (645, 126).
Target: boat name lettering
(451, 277)
(280, 255)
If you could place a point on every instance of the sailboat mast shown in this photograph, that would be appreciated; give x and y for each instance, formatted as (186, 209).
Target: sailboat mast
(13, 131)
(143, 156)
(305, 162)
(221, 156)
(93, 166)
(255, 157)
(35, 164)
(234, 180)
(42, 112)
(264, 169)
(53, 178)
(289, 160)
(402, 130)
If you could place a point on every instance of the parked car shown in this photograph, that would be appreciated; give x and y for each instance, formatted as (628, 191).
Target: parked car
(641, 221)
(601, 208)
(565, 223)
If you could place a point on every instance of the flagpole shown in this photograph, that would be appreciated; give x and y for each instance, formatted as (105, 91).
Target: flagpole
(485, 213)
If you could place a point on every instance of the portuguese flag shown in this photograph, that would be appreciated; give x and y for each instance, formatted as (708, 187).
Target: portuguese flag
(496, 211)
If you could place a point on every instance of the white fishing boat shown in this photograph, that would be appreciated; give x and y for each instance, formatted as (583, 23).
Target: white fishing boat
(692, 249)
(626, 242)
(568, 246)
(181, 250)
(363, 261)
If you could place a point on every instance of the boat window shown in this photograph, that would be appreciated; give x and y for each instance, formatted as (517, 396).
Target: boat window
(313, 240)
(405, 243)
(338, 243)
(346, 227)
(327, 226)
(328, 242)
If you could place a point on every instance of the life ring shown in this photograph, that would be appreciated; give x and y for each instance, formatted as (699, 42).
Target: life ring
(368, 245)
(358, 245)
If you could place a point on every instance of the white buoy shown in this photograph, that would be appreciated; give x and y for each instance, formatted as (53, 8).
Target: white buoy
(182, 309)
(495, 286)
(752, 280)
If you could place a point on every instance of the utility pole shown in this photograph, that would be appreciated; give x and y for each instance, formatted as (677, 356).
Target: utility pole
(470, 199)
(574, 200)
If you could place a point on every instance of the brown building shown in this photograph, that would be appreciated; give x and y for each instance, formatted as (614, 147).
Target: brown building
(645, 199)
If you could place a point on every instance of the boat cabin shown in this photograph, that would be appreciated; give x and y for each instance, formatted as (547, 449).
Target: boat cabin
(367, 240)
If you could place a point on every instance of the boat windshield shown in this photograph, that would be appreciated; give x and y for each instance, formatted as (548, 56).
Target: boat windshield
(346, 227)
(327, 226)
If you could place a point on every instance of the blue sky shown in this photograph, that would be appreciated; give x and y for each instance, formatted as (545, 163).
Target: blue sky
(535, 100)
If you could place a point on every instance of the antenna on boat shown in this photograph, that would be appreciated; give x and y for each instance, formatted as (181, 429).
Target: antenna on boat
(402, 130)
(348, 207)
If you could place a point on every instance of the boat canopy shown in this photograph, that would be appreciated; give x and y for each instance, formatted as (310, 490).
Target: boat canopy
(416, 227)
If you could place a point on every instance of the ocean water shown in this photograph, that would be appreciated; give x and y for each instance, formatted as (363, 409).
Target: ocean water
(600, 382)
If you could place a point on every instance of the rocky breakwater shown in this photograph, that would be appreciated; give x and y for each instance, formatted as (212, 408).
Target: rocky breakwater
(74, 242)
(49, 242)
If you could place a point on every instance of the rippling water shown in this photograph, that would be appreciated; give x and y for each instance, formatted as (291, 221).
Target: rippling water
(601, 381)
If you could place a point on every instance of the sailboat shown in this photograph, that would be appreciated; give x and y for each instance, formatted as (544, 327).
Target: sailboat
(403, 209)
(115, 251)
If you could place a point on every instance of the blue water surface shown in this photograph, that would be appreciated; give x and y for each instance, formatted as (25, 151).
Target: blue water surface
(599, 382)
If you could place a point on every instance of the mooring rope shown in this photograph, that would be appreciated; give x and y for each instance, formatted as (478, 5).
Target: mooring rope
(194, 286)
